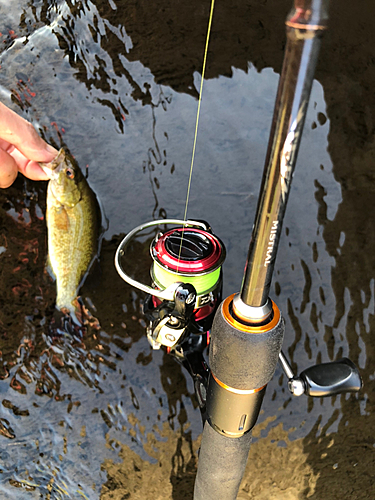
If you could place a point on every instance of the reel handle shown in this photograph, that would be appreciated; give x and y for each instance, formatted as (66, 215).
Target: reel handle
(326, 379)
(169, 292)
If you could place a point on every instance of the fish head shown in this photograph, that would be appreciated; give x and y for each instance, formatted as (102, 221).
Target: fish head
(65, 178)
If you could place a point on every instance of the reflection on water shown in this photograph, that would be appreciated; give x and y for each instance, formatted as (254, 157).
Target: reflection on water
(116, 82)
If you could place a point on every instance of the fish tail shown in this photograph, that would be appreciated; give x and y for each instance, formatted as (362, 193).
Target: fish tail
(74, 309)
(77, 316)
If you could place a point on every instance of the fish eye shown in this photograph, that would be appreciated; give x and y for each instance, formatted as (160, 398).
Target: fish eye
(70, 173)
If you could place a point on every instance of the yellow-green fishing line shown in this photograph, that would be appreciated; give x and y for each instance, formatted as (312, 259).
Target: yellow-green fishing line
(202, 283)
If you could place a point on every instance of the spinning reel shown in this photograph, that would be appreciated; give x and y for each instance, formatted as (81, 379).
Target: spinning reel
(186, 279)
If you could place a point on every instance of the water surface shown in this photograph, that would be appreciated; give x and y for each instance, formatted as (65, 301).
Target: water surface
(117, 84)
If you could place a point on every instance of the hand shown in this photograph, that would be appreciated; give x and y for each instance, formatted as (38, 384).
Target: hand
(21, 148)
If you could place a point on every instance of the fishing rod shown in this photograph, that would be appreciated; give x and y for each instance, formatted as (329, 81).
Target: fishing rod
(248, 329)
(185, 298)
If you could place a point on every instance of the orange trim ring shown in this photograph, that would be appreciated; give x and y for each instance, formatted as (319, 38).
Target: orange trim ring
(236, 391)
(250, 328)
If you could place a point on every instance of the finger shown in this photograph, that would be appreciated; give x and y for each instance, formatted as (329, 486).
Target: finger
(28, 168)
(19, 132)
(8, 169)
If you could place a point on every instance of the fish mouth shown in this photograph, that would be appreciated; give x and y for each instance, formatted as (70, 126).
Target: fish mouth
(52, 169)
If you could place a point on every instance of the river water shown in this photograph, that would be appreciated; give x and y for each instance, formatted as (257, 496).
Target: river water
(115, 82)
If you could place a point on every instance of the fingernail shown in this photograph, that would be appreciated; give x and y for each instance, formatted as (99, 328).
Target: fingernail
(51, 150)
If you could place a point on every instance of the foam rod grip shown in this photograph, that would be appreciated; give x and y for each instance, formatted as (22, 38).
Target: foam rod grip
(221, 465)
(241, 359)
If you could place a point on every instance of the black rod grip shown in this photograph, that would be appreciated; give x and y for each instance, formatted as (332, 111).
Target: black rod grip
(243, 359)
(222, 462)
(240, 359)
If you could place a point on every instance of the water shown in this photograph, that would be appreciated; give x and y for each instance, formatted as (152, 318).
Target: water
(117, 84)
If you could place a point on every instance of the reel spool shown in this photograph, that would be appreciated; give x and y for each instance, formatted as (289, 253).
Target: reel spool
(186, 280)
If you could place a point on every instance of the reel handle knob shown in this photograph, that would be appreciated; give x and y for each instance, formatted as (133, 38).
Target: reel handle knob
(325, 379)
(328, 379)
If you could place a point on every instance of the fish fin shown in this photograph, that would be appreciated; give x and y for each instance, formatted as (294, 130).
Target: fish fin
(62, 324)
(49, 269)
(93, 277)
(104, 221)
(62, 220)
(83, 315)
(74, 312)
(89, 318)
(74, 320)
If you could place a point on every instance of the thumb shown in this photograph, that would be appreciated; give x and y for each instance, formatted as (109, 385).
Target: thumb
(17, 131)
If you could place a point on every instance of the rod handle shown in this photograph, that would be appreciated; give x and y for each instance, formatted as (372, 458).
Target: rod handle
(221, 465)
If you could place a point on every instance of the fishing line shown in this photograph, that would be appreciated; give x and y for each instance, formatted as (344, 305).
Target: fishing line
(197, 118)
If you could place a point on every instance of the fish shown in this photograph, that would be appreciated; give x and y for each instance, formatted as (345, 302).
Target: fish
(74, 228)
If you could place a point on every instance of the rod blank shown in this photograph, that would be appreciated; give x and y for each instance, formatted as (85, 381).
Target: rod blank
(305, 25)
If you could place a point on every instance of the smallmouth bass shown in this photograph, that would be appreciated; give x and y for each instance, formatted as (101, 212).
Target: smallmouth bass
(74, 228)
